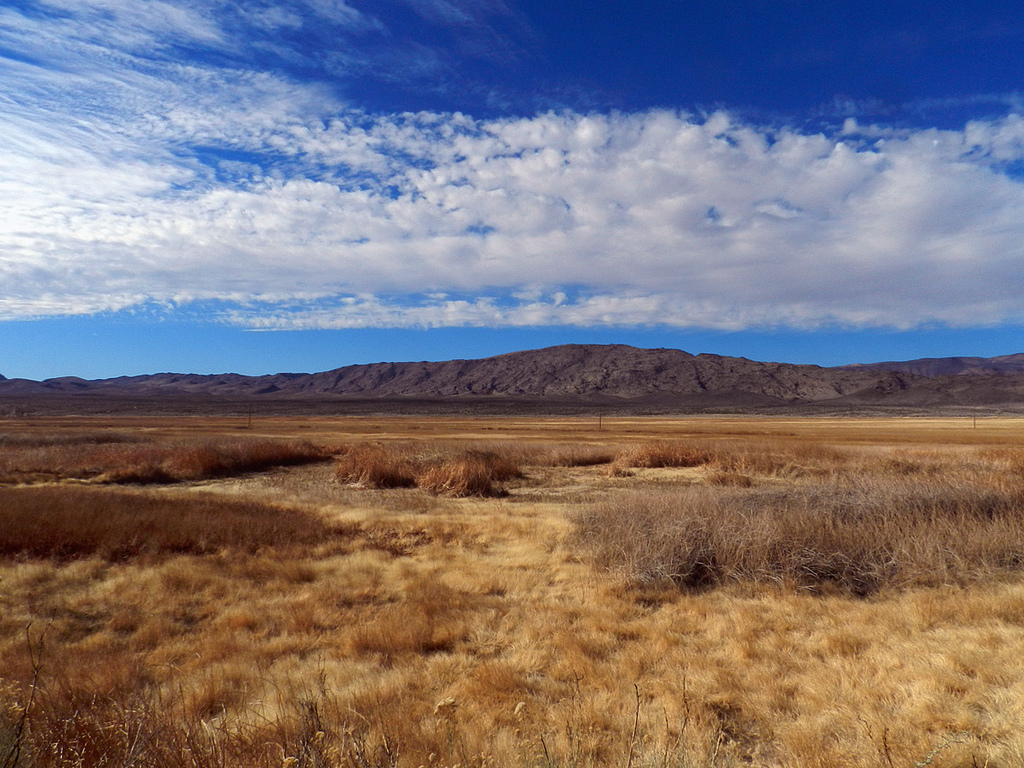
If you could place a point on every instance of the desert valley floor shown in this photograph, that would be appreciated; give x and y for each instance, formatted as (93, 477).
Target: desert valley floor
(511, 591)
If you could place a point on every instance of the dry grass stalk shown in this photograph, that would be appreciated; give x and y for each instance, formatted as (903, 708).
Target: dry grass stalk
(580, 456)
(467, 473)
(858, 536)
(759, 457)
(473, 473)
(108, 458)
(665, 454)
(376, 466)
(73, 522)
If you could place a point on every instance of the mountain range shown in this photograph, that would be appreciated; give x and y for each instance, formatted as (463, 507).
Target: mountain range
(663, 378)
(954, 366)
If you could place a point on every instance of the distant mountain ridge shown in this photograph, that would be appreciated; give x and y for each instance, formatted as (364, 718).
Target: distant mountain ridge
(953, 366)
(668, 377)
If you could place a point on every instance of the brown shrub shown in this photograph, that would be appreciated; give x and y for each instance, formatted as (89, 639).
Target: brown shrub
(500, 466)
(471, 474)
(377, 466)
(218, 459)
(71, 729)
(665, 454)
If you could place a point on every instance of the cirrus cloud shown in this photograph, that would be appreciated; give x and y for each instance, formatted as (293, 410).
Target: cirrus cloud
(168, 183)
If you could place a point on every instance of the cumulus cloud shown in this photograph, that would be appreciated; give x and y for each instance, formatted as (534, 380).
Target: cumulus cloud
(130, 180)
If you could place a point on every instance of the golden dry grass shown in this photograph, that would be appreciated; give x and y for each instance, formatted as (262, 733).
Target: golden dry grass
(458, 473)
(857, 536)
(69, 522)
(315, 620)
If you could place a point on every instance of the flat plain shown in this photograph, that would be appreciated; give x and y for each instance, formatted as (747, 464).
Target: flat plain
(511, 591)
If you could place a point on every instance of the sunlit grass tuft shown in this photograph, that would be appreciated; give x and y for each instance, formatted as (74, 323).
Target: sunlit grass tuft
(458, 472)
(376, 466)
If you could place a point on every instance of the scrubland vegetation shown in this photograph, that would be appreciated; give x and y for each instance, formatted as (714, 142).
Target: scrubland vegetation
(398, 593)
(471, 472)
(111, 457)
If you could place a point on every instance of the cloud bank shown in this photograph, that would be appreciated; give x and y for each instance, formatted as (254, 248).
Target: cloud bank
(133, 177)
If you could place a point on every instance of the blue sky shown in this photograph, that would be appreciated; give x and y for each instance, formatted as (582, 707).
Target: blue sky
(208, 186)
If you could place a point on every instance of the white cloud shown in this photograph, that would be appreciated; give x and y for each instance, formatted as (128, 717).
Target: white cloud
(130, 181)
(127, 26)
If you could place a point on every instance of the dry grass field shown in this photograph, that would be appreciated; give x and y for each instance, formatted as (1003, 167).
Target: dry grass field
(415, 591)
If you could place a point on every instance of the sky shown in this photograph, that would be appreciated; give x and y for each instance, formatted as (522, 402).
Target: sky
(207, 186)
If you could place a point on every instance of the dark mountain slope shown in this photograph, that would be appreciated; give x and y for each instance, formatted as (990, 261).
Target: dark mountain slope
(563, 372)
(952, 366)
(589, 373)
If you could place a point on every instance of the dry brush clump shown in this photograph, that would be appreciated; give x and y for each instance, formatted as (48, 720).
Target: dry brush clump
(758, 457)
(662, 454)
(74, 729)
(859, 537)
(471, 473)
(458, 473)
(219, 459)
(376, 466)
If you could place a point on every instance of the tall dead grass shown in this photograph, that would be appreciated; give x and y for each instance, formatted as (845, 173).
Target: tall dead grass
(760, 457)
(71, 522)
(857, 536)
(109, 458)
(458, 473)
(579, 456)
(376, 466)
(473, 473)
(666, 454)
(76, 729)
